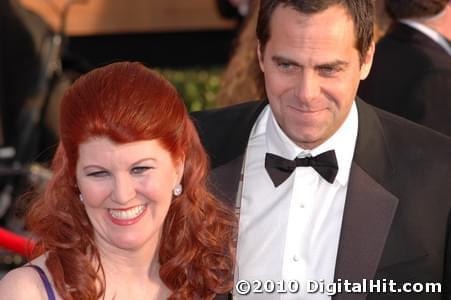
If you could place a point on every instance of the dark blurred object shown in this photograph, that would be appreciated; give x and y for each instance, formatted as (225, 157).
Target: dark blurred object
(35, 133)
(227, 10)
(56, 69)
(157, 49)
(19, 69)
(19, 83)
(234, 9)
(411, 72)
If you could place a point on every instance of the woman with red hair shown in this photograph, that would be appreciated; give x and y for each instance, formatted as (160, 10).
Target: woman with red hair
(127, 214)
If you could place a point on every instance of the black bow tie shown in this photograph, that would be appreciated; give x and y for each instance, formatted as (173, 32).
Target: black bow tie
(279, 168)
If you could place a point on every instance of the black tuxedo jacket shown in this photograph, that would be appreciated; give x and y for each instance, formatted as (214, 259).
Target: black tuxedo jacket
(397, 209)
(411, 77)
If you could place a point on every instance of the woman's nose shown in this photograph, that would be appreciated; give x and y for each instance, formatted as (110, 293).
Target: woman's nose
(124, 189)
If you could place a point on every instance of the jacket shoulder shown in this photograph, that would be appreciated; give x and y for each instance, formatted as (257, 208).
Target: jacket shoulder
(224, 132)
(229, 112)
(417, 140)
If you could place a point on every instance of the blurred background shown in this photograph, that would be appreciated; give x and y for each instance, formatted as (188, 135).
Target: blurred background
(188, 36)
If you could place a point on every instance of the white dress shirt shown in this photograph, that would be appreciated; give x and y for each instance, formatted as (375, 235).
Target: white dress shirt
(432, 34)
(291, 232)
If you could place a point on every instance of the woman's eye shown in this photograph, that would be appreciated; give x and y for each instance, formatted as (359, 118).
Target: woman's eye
(98, 174)
(139, 170)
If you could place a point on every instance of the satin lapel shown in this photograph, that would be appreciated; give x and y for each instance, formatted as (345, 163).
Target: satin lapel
(369, 208)
(369, 212)
(225, 179)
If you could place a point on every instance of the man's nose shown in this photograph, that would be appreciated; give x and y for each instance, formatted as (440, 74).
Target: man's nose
(307, 87)
(124, 189)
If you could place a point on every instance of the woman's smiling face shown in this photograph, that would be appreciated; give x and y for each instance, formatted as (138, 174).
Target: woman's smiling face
(127, 190)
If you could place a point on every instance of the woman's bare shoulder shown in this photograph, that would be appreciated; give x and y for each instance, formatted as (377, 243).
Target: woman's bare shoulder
(22, 283)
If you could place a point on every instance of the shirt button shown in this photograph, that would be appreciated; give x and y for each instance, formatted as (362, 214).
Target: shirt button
(296, 258)
(302, 205)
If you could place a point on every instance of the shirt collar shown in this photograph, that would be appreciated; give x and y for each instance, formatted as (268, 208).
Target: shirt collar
(432, 34)
(342, 141)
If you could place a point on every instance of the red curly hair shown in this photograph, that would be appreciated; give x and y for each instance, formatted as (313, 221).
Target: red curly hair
(128, 102)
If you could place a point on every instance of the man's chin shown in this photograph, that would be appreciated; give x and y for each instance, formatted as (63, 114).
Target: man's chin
(307, 140)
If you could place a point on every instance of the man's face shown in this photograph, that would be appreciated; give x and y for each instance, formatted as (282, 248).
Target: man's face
(312, 70)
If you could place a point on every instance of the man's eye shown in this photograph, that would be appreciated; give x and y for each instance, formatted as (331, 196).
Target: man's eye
(328, 71)
(285, 66)
(139, 170)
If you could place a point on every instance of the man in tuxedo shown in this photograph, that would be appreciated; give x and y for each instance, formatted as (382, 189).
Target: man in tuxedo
(327, 187)
(411, 73)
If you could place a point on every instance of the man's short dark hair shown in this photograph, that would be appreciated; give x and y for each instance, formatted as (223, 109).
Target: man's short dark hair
(404, 9)
(361, 11)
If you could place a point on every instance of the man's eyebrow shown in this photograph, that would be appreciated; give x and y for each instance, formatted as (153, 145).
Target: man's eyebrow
(333, 64)
(281, 59)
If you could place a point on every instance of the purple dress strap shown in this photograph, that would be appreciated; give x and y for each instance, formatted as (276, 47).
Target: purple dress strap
(45, 280)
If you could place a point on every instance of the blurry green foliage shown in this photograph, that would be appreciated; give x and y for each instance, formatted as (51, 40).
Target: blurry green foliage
(197, 86)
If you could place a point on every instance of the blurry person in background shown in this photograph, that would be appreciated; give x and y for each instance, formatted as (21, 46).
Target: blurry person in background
(126, 214)
(242, 78)
(381, 19)
(411, 73)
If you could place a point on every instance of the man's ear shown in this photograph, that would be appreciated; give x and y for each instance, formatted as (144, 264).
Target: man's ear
(367, 61)
(260, 57)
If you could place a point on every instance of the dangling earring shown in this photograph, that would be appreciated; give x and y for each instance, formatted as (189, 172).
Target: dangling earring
(81, 197)
(178, 189)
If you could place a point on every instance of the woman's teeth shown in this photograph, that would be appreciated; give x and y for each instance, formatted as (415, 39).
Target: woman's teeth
(128, 213)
